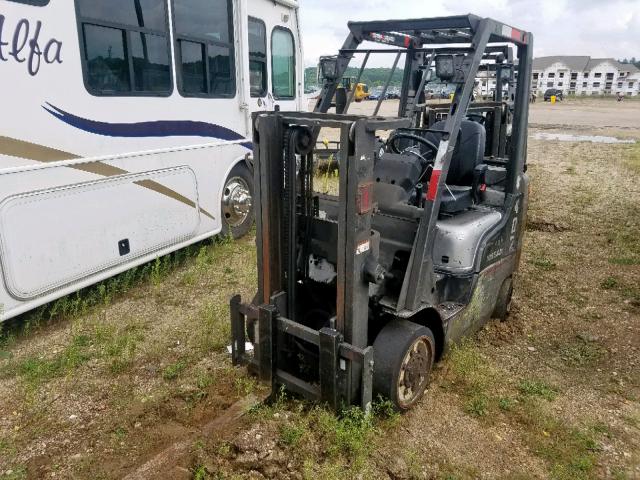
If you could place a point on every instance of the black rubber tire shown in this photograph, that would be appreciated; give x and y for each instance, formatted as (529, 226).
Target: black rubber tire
(503, 302)
(390, 347)
(240, 170)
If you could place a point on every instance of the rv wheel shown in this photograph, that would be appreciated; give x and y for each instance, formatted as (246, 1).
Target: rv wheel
(237, 202)
(503, 302)
(403, 355)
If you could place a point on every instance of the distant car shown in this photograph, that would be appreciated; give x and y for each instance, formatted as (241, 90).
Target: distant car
(551, 92)
(375, 94)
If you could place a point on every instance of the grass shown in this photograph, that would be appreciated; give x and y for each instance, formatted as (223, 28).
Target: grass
(537, 388)
(101, 294)
(470, 374)
(322, 443)
(582, 353)
(609, 283)
(173, 370)
(632, 158)
(543, 264)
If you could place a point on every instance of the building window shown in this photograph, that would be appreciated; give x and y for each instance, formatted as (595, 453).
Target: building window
(572, 85)
(283, 63)
(630, 84)
(586, 75)
(549, 84)
(257, 57)
(552, 75)
(610, 76)
(125, 47)
(584, 84)
(535, 76)
(574, 76)
(559, 84)
(596, 84)
(620, 84)
(598, 75)
(561, 74)
(204, 45)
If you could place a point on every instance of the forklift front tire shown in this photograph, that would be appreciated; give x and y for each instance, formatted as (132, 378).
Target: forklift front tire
(403, 355)
(503, 303)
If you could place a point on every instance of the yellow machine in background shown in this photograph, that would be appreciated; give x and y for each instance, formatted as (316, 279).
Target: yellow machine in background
(361, 91)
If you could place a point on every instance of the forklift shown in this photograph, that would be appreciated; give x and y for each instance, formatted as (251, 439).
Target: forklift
(359, 293)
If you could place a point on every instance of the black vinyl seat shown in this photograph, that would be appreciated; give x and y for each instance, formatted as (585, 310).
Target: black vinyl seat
(467, 154)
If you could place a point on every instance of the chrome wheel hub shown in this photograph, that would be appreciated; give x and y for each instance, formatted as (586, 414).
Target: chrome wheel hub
(236, 201)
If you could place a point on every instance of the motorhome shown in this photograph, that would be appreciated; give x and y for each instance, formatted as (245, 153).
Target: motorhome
(125, 131)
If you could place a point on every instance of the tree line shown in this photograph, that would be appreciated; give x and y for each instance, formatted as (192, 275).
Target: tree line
(373, 77)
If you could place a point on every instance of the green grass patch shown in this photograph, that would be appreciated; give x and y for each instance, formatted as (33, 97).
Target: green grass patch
(609, 283)
(624, 261)
(173, 371)
(581, 353)
(470, 374)
(632, 157)
(291, 434)
(537, 388)
(543, 264)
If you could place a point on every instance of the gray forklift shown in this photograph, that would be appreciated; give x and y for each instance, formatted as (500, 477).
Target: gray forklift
(359, 293)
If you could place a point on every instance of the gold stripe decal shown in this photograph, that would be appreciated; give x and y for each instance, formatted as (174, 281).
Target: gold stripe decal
(40, 153)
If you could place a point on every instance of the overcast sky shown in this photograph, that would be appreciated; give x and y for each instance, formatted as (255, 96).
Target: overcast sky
(599, 28)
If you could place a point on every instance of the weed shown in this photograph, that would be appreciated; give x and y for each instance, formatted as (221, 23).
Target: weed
(17, 473)
(506, 403)
(624, 261)
(351, 432)
(544, 264)
(173, 371)
(581, 353)
(200, 473)
(224, 449)
(536, 388)
(477, 405)
(291, 433)
(609, 283)
(244, 385)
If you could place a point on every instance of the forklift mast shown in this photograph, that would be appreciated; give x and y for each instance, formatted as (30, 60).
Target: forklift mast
(319, 257)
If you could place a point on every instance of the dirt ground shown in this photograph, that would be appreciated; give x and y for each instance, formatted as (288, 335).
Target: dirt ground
(554, 392)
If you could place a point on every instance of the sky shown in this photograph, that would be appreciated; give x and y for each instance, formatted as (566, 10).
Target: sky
(598, 28)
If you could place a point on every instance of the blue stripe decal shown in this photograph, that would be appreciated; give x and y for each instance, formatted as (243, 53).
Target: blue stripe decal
(159, 128)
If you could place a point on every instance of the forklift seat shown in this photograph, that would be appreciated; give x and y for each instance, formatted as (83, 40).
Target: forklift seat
(467, 154)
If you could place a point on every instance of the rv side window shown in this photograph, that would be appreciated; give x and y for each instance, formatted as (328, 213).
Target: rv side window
(257, 57)
(204, 45)
(283, 63)
(126, 46)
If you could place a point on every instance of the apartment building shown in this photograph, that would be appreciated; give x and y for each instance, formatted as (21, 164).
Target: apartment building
(582, 75)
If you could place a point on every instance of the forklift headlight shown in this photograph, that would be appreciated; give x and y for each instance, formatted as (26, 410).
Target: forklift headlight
(445, 69)
(328, 67)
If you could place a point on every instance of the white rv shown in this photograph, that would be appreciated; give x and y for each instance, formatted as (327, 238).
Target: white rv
(125, 130)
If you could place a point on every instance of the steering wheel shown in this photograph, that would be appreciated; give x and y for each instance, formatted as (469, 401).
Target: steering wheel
(481, 119)
(397, 135)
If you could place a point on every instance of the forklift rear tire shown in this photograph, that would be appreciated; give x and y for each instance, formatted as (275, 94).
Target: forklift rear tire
(403, 355)
(237, 202)
(503, 303)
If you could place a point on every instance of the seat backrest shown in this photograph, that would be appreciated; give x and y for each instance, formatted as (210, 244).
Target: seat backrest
(468, 152)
